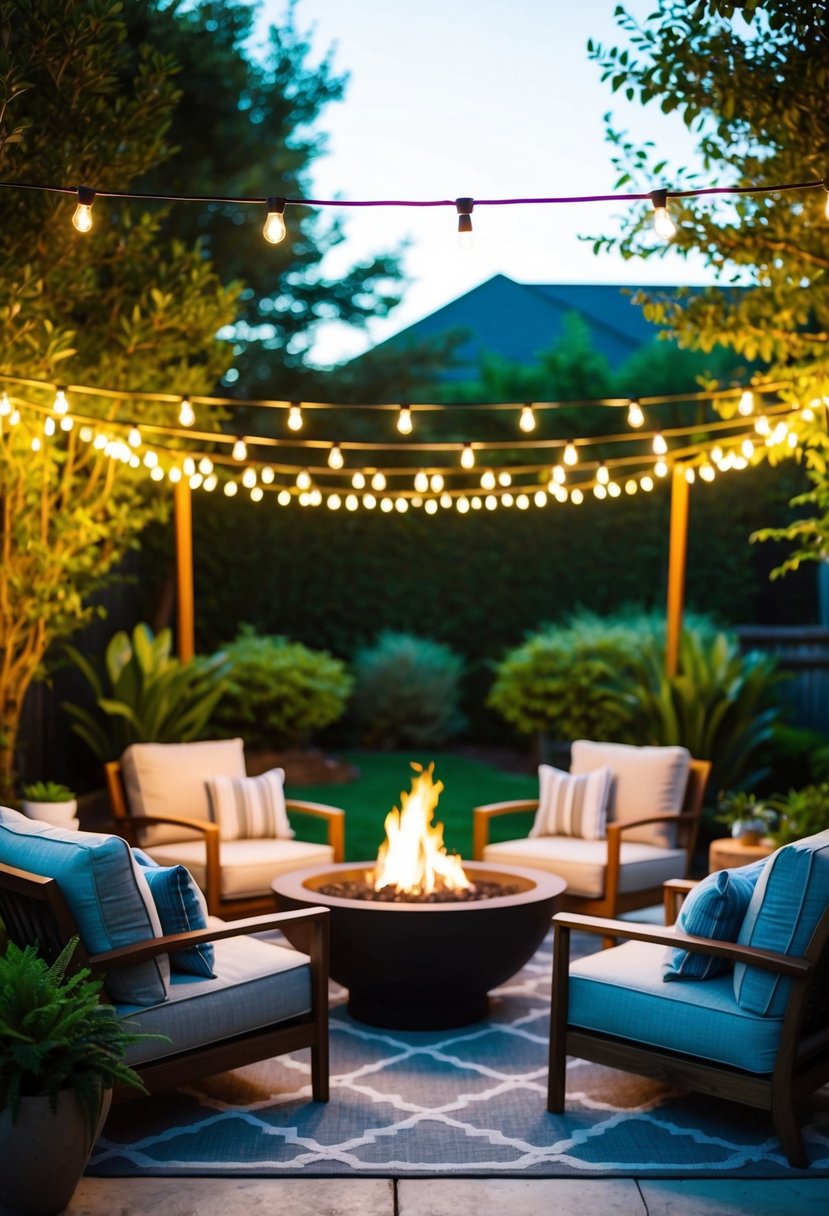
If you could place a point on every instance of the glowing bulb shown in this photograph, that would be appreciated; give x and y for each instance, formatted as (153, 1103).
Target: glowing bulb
(186, 413)
(646, 483)
(295, 418)
(614, 489)
(527, 420)
(404, 420)
(762, 425)
(436, 483)
(82, 219)
(446, 501)
(36, 444)
(369, 502)
(333, 502)
(599, 490)
(196, 480)
(540, 498)
(352, 502)
(507, 500)
(421, 482)
(490, 502)
(661, 468)
(174, 474)
(706, 472)
(206, 466)
(5, 405)
(14, 417)
(716, 454)
(275, 230)
(401, 505)
(431, 506)
(240, 450)
(465, 237)
(210, 482)
(134, 437)
(150, 460)
(358, 481)
(663, 225)
(602, 475)
(488, 480)
(631, 486)
(267, 475)
(66, 423)
(747, 448)
(467, 457)
(504, 479)
(303, 480)
(571, 456)
(49, 427)
(378, 481)
(157, 473)
(745, 406)
(660, 447)
(284, 498)
(335, 457)
(231, 488)
(635, 416)
(559, 474)
(60, 405)
(462, 505)
(690, 476)
(249, 478)
(386, 505)
(791, 440)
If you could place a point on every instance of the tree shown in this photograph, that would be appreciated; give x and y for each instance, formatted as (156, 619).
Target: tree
(749, 80)
(119, 306)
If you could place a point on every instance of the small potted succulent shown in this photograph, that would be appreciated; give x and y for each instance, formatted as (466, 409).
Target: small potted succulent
(51, 802)
(61, 1051)
(749, 819)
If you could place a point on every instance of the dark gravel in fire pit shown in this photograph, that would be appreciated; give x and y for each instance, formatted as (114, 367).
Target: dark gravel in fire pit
(481, 889)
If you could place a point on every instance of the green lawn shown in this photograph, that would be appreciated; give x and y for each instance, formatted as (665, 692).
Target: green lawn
(383, 775)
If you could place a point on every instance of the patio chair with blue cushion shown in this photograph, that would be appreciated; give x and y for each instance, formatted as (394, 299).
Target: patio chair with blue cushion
(621, 823)
(220, 997)
(192, 804)
(733, 1001)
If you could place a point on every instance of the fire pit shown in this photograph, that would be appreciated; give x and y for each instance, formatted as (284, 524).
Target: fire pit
(414, 958)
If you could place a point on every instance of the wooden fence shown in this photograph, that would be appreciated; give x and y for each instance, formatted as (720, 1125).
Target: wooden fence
(802, 652)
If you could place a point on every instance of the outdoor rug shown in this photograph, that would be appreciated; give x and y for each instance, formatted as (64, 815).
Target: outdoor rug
(468, 1102)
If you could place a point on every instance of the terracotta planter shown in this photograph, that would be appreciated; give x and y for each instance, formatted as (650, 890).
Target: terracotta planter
(44, 1152)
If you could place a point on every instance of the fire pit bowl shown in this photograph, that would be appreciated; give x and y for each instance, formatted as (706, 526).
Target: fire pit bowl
(426, 966)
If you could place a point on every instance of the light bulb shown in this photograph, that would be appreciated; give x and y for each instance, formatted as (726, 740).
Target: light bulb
(150, 459)
(369, 502)
(660, 447)
(386, 505)
(231, 488)
(746, 403)
(540, 498)
(157, 473)
(690, 476)
(284, 498)
(333, 502)
(646, 483)
(352, 502)
(467, 457)
(431, 506)
(527, 420)
(378, 481)
(464, 208)
(174, 474)
(445, 500)
(275, 230)
(522, 502)
(5, 405)
(505, 478)
(60, 404)
(82, 219)
(240, 449)
(663, 225)
(571, 456)
(462, 505)
(706, 472)
(303, 480)
(134, 437)
(189, 466)
(295, 418)
(631, 486)
(614, 489)
(635, 415)
(488, 480)
(404, 420)
(602, 475)
(762, 425)
(206, 466)
(436, 483)
(401, 505)
(186, 413)
(49, 427)
(358, 481)
(421, 482)
(66, 423)
(599, 491)
(747, 448)
(267, 475)
(249, 478)
(559, 474)
(335, 457)
(661, 468)
(577, 497)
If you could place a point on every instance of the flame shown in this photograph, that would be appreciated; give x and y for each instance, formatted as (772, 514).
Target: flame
(412, 858)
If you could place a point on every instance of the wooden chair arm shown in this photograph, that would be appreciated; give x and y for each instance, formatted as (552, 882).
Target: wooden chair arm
(684, 817)
(202, 826)
(335, 822)
(481, 816)
(674, 891)
(768, 960)
(138, 952)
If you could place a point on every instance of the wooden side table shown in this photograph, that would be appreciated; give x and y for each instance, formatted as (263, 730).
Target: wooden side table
(725, 853)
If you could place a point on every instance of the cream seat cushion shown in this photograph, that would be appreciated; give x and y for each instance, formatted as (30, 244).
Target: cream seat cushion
(169, 779)
(582, 863)
(247, 867)
(646, 781)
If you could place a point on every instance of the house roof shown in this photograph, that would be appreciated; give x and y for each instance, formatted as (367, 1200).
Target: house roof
(517, 321)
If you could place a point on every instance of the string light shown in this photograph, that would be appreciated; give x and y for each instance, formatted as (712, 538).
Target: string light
(303, 480)
(5, 405)
(49, 427)
(187, 415)
(467, 457)
(249, 478)
(527, 420)
(570, 456)
(635, 416)
(488, 480)
(661, 468)
(504, 478)
(358, 480)
(67, 423)
(602, 475)
(60, 405)
(231, 488)
(295, 418)
(436, 483)
(745, 405)
(465, 237)
(378, 481)
(275, 230)
(663, 225)
(134, 437)
(421, 482)
(404, 420)
(660, 446)
(240, 449)
(82, 219)
(335, 457)
(267, 475)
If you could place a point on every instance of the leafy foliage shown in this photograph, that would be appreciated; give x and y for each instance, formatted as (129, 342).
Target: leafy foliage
(741, 811)
(55, 1034)
(803, 812)
(47, 791)
(278, 692)
(752, 91)
(146, 695)
(407, 692)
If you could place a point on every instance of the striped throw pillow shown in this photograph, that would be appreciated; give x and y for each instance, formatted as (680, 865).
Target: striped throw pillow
(570, 805)
(714, 909)
(247, 808)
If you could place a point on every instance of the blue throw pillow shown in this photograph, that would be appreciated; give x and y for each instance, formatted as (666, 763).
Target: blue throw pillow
(180, 906)
(714, 909)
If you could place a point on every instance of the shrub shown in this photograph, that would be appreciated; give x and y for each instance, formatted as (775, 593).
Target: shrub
(565, 681)
(802, 813)
(152, 697)
(407, 692)
(278, 692)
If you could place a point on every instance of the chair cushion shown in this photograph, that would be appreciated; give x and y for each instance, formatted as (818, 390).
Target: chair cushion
(715, 909)
(582, 863)
(168, 779)
(105, 889)
(790, 897)
(247, 808)
(646, 781)
(257, 984)
(620, 992)
(571, 805)
(181, 907)
(247, 866)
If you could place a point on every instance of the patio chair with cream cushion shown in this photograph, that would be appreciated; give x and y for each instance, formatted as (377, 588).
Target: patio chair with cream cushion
(192, 804)
(622, 822)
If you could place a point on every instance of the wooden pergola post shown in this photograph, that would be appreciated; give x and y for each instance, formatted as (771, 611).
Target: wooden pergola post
(677, 558)
(185, 618)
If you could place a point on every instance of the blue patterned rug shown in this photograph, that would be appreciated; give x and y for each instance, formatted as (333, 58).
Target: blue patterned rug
(468, 1102)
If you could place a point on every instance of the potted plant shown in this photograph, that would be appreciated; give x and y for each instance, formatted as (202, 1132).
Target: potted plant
(749, 819)
(51, 802)
(61, 1051)
(802, 812)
